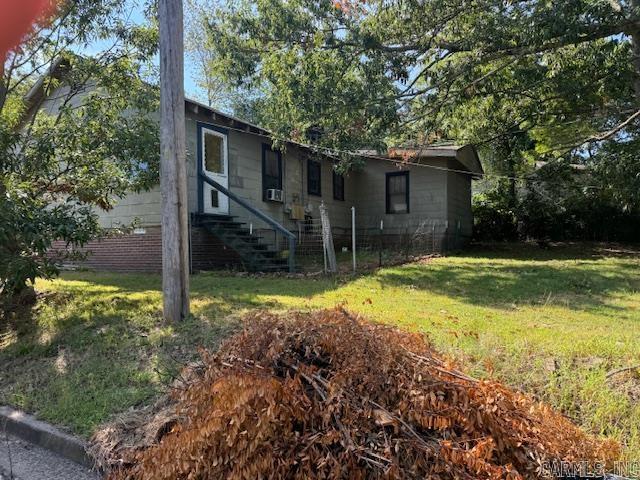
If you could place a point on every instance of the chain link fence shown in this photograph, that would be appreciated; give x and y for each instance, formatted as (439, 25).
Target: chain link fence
(376, 244)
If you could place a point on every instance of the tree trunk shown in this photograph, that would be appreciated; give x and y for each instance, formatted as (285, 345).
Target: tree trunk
(3, 90)
(635, 51)
(506, 151)
(513, 195)
(173, 175)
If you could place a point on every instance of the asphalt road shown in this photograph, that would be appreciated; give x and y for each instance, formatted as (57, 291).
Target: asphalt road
(30, 462)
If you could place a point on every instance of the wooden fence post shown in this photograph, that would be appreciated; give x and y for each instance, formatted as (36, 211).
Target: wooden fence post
(173, 174)
(327, 241)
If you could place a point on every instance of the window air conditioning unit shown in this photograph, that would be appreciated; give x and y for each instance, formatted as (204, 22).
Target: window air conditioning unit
(274, 195)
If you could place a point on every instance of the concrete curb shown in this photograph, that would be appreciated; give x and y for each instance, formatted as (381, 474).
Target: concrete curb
(47, 436)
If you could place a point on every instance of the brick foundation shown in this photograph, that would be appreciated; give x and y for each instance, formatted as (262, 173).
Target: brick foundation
(142, 252)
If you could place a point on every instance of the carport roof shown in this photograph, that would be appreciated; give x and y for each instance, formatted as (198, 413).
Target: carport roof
(465, 155)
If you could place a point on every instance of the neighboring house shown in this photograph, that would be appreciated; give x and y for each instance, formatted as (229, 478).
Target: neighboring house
(268, 189)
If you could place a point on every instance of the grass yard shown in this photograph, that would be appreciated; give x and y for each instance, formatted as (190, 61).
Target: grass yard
(552, 323)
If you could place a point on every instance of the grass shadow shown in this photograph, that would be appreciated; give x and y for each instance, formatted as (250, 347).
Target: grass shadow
(86, 353)
(552, 252)
(503, 277)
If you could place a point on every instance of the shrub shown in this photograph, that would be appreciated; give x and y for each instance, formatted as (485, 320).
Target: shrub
(493, 218)
(555, 203)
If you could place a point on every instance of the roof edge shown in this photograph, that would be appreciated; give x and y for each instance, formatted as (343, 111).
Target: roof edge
(466, 155)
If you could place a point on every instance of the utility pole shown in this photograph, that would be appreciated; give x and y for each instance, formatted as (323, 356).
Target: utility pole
(173, 174)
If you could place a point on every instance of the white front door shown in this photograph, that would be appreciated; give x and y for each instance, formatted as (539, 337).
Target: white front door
(215, 165)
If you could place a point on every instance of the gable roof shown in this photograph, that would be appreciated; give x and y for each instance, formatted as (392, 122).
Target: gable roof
(38, 91)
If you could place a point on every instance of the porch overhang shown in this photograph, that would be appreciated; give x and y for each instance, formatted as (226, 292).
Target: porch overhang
(466, 156)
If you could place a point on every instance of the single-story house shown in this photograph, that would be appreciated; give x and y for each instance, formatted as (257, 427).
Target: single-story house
(247, 199)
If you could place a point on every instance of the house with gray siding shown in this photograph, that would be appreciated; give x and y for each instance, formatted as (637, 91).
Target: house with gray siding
(250, 203)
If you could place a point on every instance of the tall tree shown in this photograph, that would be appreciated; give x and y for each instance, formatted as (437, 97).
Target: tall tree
(211, 88)
(75, 133)
(523, 79)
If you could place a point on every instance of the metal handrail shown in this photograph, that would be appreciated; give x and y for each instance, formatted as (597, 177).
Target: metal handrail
(266, 218)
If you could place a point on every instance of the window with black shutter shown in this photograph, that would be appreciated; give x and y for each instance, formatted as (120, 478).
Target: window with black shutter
(338, 186)
(397, 192)
(271, 169)
(314, 184)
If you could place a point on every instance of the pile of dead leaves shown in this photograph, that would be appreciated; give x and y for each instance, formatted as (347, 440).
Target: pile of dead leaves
(327, 395)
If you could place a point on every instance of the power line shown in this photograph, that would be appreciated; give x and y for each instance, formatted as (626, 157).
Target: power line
(334, 152)
(453, 170)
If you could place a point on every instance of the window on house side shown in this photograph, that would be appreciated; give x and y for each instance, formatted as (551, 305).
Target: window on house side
(338, 186)
(397, 192)
(271, 170)
(314, 172)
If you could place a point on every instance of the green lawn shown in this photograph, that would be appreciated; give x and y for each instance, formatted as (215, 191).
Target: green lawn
(552, 323)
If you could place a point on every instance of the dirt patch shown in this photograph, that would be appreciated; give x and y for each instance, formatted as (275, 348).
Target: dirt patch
(627, 383)
(329, 395)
